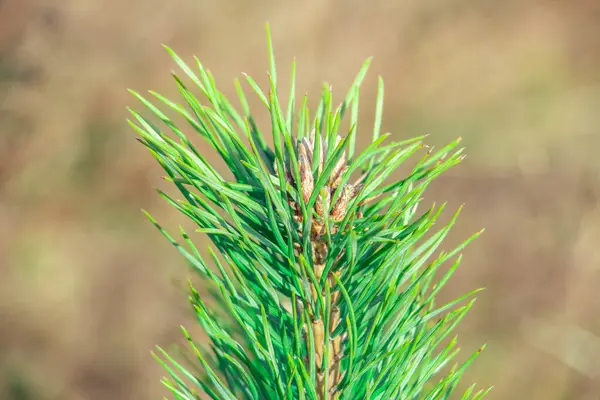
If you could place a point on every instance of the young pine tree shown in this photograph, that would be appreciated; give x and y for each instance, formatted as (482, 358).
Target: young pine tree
(323, 273)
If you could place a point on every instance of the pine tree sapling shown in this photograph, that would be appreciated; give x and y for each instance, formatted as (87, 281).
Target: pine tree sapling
(325, 275)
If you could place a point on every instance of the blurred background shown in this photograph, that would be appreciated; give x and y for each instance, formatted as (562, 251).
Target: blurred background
(88, 286)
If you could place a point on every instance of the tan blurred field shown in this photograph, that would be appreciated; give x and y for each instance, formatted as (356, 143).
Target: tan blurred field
(87, 285)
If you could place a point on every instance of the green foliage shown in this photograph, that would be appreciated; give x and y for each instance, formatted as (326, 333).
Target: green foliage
(323, 289)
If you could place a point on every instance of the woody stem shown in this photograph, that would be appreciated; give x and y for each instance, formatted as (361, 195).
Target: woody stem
(326, 388)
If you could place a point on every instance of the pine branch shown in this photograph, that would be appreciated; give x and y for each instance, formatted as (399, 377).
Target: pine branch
(323, 275)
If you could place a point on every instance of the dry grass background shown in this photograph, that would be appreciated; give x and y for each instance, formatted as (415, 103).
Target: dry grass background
(87, 286)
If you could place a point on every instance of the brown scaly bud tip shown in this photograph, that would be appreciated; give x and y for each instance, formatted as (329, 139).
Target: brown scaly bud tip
(339, 208)
(357, 187)
(336, 175)
(307, 183)
(322, 155)
(306, 148)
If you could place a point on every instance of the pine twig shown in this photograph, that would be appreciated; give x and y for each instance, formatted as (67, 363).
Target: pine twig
(324, 289)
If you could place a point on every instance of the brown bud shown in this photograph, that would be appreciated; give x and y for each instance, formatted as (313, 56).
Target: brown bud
(356, 189)
(322, 156)
(306, 177)
(336, 175)
(339, 208)
(306, 148)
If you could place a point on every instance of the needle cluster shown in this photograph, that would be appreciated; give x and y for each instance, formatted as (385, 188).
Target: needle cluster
(324, 272)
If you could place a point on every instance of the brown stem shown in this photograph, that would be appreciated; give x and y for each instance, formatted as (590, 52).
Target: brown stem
(334, 344)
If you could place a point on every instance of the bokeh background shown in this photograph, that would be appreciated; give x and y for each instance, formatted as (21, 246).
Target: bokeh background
(88, 286)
